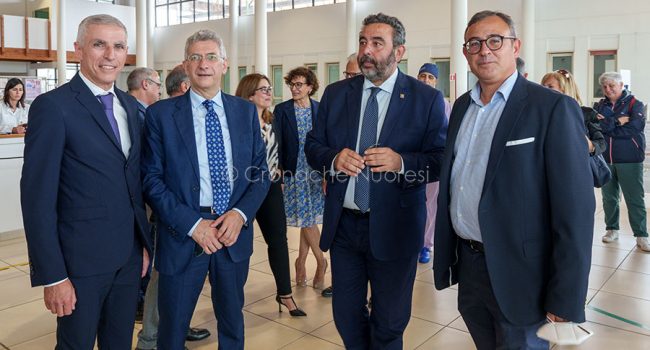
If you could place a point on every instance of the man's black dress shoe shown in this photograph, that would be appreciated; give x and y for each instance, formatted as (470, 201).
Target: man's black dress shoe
(327, 292)
(194, 334)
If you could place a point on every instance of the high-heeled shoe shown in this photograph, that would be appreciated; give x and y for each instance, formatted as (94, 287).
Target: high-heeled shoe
(301, 275)
(295, 312)
(319, 277)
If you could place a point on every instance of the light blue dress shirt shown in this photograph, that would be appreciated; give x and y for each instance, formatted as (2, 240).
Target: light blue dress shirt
(383, 100)
(198, 117)
(472, 153)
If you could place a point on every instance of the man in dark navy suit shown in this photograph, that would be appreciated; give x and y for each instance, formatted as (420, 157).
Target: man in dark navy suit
(379, 137)
(516, 204)
(205, 176)
(81, 196)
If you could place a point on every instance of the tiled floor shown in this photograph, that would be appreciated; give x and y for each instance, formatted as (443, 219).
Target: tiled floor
(619, 283)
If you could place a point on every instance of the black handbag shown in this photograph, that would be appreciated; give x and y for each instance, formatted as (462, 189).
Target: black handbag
(599, 170)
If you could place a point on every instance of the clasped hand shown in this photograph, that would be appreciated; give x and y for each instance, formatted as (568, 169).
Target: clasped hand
(213, 235)
(380, 159)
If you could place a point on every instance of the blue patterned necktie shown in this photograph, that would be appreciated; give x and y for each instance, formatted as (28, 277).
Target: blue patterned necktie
(107, 102)
(216, 160)
(367, 139)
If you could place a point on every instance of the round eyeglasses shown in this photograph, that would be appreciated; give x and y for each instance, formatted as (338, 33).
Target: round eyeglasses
(493, 42)
(265, 90)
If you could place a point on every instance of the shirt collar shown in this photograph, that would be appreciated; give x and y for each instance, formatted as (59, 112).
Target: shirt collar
(96, 90)
(387, 85)
(504, 90)
(197, 100)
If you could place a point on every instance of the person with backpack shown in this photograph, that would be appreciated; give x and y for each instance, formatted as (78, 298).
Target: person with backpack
(622, 119)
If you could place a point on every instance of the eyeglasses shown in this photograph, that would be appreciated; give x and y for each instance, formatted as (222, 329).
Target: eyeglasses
(298, 85)
(265, 90)
(155, 82)
(493, 42)
(211, 57)
(349, 75)
(565, 73)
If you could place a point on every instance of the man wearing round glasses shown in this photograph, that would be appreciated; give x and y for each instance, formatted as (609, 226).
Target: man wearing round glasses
(515, 216)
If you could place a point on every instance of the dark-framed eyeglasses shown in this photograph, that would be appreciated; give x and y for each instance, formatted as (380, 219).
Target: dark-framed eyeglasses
(265, 90)
(349, 75)
(211, 57)
(493, 42)
(298, 85)
(154, 82)
(565, 73)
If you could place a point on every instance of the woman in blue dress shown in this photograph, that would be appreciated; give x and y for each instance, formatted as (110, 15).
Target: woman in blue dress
(303, 190)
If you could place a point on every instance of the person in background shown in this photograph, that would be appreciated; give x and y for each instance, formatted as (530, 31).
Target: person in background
(428, 74)
(177, 83)
(144, 84)
(13, 109)
(623, 120)
(563, 82)
(271, 217)
(81, 196)
(515, 215)
(521, 67)
(303, 187)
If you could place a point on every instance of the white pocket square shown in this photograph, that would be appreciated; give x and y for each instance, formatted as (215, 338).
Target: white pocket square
(520, 142)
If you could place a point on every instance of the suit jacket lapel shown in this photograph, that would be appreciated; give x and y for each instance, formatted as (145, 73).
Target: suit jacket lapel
(94, 106)
(354, 95)
(397, 101)
(509, 118)
(185, 124)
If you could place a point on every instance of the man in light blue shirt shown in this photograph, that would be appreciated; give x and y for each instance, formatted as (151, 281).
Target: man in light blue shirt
(206, 186)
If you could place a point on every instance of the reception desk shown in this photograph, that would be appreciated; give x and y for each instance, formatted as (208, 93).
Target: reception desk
(11, 164)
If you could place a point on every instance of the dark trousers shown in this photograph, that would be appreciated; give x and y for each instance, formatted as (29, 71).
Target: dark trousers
(391, 282)
(626, 178)
(273, 223)
(105, 308)
(178, 294)
(476, 302)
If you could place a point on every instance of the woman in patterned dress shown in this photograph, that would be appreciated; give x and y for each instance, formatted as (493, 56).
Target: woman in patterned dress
(270, 217)
(303, 192)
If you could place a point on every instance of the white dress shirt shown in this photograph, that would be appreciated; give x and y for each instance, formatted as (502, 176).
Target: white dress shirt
(10, 119)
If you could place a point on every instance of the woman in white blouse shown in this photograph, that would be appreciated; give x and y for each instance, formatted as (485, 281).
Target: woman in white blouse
(13, 109)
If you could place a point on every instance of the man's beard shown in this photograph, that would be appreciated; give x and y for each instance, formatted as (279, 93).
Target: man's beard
(380, 70)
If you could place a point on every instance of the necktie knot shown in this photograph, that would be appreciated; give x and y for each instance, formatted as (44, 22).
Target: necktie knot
(106, 100)
(208, 105)
(374, 91)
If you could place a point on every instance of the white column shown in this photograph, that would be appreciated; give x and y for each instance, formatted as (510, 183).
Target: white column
(261, 44)
(141, 33)
(352, 38)
(458, 64)
(233, 61)
(528, 37)
(61, 53)
(151, 26)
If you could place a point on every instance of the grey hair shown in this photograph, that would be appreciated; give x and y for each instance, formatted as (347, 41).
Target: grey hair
(205, 35)
(399, 33)
(97, 20)
(137, 76)
(352, 58)
(175, 78)
(479, 16)
(610, 76)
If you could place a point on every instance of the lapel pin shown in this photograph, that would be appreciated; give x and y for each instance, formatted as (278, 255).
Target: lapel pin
(401, 96)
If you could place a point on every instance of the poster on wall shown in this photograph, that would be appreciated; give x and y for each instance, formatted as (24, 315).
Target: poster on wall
(32, 88)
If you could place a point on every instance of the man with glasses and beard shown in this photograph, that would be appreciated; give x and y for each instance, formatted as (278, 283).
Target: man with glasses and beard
(376, 167)
(515, 216)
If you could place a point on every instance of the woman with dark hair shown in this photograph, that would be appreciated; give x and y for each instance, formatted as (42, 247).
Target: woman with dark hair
(270, 216)
(13, 109)
(303, 193)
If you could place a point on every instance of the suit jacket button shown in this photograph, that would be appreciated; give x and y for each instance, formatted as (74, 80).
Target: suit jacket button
(195, 188)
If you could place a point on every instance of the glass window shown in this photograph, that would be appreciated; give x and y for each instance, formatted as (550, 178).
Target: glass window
(601, 62)
(277, 81)
(242, 72)
(174, 14)
(561, 60)
(323, 2)
(161, 16)
(161, 2)
(215, 9)
(283, 5)
(302, 3)
(403, 66)
(201, 10)
(333, 74)
(187, 12)
(246, 7)
(443, 75)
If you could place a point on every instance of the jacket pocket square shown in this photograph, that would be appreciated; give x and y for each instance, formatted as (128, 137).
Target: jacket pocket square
(520, 142)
